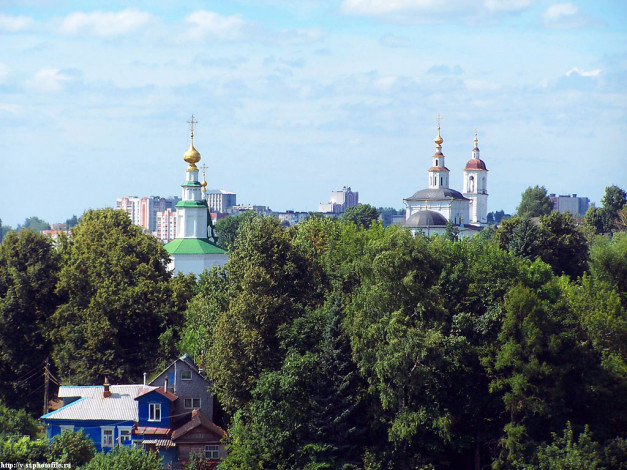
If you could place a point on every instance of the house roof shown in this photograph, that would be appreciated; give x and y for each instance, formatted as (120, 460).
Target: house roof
(92, 405)
(164, 443)
(197, 420)
(146, 389)
(151, 431)
(187, 360)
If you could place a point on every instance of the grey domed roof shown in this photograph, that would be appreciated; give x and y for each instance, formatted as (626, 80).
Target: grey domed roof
(425, 219)
(435, 194)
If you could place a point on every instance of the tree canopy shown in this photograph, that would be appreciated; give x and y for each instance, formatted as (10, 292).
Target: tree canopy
(534, 202)
(116, 300)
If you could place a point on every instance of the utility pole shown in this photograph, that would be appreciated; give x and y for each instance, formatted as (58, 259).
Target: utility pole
(46, 383)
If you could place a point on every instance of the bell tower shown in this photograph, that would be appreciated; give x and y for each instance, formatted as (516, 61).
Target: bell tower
(475, 186)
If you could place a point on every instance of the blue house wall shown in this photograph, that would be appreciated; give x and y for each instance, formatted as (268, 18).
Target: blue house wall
(92, 429)
(143, 410)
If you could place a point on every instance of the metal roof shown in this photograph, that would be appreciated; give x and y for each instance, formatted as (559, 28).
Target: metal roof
(436, 194)
(92, 406)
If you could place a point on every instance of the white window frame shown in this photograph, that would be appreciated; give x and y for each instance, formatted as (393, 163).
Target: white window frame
(212, 452)
(64, 427)
(191, 403)
(103, 433)
(184, 371)
(122, 438)
(153, 408)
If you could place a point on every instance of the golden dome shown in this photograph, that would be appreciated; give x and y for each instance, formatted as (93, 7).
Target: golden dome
(192, 157)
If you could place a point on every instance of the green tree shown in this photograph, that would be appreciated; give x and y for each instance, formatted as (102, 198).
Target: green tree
(22, 449)
(567, 453)
(4, 229)
(562, 245)
(35, 224)
(17, 422)
(534, 202)
(227, 228)
(71, 447)
(362, 215)
(607, 218)
(519, 236)
(270, 283)
(608, 262)
(71, 222)
(29, 269)
(117, 300)
(125, 458)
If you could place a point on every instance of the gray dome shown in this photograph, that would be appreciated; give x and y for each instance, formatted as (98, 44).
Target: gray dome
(425, 218)
(436, 194)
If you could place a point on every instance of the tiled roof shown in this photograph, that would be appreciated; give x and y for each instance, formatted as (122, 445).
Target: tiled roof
(198, 419)
(120, 406)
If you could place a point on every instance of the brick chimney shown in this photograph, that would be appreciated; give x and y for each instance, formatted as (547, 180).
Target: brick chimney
(107, 391)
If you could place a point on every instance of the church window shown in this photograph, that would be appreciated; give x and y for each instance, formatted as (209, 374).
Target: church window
(471, 184)
(437, 162)
(441, 181)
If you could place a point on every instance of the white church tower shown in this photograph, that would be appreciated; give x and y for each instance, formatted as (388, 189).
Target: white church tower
(475, 187)
(192, 251)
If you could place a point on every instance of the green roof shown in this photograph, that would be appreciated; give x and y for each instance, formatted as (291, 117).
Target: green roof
(193, 246)
(191, 204)
(191, 183)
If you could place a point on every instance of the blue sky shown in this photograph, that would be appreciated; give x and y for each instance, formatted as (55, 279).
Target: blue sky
(295, 99)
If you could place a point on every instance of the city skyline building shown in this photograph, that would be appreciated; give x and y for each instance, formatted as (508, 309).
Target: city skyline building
(577, 206)
(340, 201)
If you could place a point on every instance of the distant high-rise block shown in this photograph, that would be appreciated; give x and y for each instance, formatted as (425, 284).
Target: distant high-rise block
(340, 201)
(577, 206)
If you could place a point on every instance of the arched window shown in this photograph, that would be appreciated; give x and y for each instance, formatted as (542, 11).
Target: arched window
(471, 184)
(441, 181)
(437, 162)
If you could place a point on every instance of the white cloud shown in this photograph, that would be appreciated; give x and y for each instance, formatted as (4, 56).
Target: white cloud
(14, 24)
(10, 108)
(105, 24)
(425, 10)
(207, 24)
(583, 73)
(507, 5)
(49, 80)
(563, 15)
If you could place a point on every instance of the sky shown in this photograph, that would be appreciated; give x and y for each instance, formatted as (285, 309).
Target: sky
(295, 99)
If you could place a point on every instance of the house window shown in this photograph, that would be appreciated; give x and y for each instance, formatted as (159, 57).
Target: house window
(186, 375)
(192, 403)
(124, 434)
(107, 436)
(154, 413)
(66, 427)
(212, 452)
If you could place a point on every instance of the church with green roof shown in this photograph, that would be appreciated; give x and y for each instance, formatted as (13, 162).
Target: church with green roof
(192, 251)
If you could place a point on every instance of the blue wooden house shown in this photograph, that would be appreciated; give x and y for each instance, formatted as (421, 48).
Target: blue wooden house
(170, 424)
(106, 413)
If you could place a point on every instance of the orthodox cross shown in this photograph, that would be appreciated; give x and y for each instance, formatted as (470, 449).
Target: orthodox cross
(191, 123)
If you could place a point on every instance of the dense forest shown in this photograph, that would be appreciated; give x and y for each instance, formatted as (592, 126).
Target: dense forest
(341, 344)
